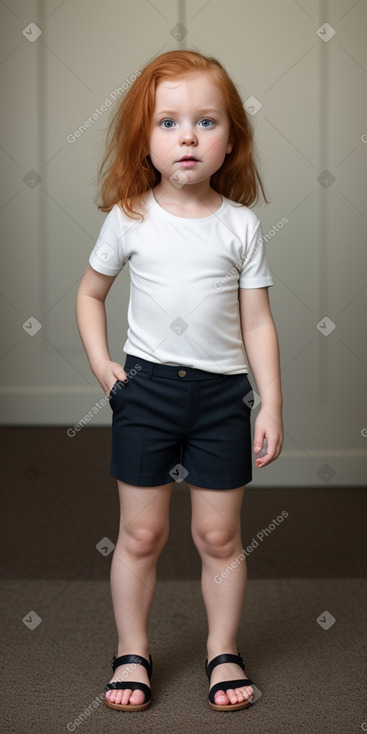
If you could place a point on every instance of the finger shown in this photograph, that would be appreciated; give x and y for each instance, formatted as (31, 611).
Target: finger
(271, 448)
(263, 462)
(259, 439)
(271, 454)
(121, 375)
(266, 454)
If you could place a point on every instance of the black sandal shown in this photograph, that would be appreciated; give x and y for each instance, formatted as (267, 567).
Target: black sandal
(134, 686)
(224, 685)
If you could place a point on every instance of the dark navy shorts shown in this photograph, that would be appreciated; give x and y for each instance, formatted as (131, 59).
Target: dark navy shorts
(179, 423)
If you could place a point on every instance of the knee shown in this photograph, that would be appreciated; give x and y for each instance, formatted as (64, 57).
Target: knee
(141, 542)
(216, 542)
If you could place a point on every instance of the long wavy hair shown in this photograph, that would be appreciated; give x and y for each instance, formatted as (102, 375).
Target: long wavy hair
(126, 171)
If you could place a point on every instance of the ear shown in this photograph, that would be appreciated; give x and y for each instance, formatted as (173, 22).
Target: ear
(229, 148)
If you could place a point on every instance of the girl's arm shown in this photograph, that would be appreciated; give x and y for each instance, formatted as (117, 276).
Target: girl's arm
(262, 349)
(92, 325)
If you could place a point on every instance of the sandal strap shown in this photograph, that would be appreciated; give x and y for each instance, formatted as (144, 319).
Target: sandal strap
(137, 659)
(224, 658)
(226, 684)
(132, 686)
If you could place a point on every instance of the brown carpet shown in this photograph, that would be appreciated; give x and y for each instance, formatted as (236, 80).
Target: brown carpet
(58, 503)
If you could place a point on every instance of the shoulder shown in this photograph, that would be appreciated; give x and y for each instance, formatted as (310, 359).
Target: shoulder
(245, 216)
(133, 211)
(119, 219)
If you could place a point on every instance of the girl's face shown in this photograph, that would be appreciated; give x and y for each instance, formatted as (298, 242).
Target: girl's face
(190, 120)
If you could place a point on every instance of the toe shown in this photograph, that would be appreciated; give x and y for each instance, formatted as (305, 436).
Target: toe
(114, 698)
(239, 695)
(125, 697)
(118, 696)
(248, 692)
(244, 694)
(231, 695)
(137, 698)
(220, 698)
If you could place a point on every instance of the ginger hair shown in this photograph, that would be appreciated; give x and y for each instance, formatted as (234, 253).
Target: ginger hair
(126, 171)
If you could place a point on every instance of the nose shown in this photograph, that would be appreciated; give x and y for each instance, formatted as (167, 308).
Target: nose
(188, 136)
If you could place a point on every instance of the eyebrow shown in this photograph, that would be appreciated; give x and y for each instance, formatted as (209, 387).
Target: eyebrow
(174, 112)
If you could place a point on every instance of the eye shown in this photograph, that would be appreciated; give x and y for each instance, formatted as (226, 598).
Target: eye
(163, 123)
(206, 122)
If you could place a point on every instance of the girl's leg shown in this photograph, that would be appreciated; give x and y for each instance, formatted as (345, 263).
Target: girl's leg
(216, 531)
(144, 526)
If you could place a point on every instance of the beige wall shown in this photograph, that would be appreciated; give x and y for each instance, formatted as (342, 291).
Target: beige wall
(313, 118)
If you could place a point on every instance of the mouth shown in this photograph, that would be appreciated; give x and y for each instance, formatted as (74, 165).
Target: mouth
(188, 158)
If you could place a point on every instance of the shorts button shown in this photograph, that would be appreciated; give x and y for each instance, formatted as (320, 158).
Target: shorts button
(181, 373)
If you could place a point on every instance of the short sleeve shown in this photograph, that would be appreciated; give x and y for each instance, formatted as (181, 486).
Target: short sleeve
(255, 271)
(107, 256)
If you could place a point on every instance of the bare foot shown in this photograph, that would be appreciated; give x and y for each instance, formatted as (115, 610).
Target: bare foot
(230, 671)
(124, 673)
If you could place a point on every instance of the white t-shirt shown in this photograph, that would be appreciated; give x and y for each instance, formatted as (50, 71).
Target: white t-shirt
(184, 280)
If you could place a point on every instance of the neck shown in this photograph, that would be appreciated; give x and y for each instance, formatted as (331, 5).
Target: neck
(186, 196)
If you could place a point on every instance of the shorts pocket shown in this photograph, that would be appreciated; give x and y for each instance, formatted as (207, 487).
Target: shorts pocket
(115, 392)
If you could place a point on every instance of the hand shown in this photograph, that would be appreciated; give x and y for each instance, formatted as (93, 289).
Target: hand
(269, 426)
(107, 373)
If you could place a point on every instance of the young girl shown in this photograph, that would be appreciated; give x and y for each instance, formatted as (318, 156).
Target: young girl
(177, 180)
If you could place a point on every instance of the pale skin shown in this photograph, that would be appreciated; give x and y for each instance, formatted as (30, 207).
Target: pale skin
(191, 101)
